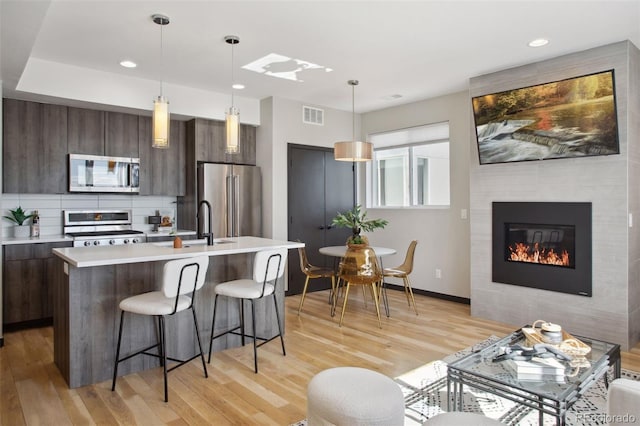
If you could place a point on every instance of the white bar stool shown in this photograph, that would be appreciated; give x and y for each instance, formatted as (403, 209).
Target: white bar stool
(268, 266)
(181, 278)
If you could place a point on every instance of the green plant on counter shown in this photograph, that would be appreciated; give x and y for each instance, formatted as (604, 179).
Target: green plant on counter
(18, 216)
(356, 219)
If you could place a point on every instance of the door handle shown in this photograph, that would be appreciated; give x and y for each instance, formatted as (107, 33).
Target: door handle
(320, 227)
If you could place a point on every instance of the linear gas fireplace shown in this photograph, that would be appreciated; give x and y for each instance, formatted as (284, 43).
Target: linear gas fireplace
(543, 245)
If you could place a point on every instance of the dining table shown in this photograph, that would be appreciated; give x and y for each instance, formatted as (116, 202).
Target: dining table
(339, 251)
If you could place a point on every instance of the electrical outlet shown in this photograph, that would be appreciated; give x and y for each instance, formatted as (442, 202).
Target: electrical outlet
(438, 273)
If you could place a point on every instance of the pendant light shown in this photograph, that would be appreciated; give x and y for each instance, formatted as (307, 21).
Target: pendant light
(160, 126)
(232, 116)
(353, 150)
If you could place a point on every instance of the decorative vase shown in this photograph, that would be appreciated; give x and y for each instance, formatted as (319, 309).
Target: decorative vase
(21, 231)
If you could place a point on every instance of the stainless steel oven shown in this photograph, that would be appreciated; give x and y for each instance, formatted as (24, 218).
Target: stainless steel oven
(101, 227)
(92, 173)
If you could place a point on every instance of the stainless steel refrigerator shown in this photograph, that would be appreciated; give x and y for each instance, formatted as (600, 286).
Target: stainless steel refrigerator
(235, 195)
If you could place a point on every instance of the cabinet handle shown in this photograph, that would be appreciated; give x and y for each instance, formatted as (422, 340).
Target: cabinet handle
(320, 227)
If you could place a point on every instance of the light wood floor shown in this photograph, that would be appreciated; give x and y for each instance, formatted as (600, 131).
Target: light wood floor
(33, 392)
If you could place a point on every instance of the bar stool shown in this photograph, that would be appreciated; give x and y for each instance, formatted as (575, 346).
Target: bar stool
(268, 266)
(180, 280)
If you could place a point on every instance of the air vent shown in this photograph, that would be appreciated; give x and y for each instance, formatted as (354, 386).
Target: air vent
(312, 115)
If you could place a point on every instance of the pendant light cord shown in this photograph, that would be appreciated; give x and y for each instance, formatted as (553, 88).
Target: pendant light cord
(161, 58)
(353, 111)
(232, 80)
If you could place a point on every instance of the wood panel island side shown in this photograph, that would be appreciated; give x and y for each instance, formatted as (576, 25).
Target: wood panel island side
(86, 314)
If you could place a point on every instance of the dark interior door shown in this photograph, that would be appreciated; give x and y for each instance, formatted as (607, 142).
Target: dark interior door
(318, 188)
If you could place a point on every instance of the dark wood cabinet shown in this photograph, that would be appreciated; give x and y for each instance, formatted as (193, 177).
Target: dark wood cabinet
(121, 135)
(247, 154)
(162, 171)
(85, 131)
(34, 147)
(29, 271)
(208, 140)
(38, 138)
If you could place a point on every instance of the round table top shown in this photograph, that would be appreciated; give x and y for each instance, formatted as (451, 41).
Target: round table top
(339, 251)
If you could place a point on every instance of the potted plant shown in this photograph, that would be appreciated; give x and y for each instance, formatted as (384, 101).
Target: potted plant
(356, 219)
(18, 216)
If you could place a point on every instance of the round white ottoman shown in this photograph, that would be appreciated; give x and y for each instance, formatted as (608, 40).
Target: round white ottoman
(352, 396)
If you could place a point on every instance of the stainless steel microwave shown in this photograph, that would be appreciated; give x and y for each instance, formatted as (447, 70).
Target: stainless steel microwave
(94, 173)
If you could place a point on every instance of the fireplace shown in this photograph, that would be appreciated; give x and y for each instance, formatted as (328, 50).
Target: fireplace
(543, 245)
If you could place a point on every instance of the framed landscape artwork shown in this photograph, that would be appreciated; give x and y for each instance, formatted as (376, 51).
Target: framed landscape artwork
(575, 117)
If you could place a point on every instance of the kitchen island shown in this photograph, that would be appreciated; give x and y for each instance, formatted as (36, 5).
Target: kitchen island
(96, 279)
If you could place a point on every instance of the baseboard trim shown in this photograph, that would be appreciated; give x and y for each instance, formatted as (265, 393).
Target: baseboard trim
(433, 294)
(23, 325)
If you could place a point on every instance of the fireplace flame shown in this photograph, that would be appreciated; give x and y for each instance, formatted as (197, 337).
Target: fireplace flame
(536, 254)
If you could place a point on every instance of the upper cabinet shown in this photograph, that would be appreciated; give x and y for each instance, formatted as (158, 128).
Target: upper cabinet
(208, 139)
(38, 138)
(121, 135)
(34, 147)
(162, 171)
(85, 131)
(102, 133)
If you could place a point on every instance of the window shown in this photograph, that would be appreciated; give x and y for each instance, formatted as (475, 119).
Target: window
(410, 167)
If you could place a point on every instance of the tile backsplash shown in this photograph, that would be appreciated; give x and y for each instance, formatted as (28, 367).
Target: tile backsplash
(50, 208)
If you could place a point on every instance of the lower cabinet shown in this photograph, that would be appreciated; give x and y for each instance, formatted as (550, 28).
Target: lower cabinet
(27, 281)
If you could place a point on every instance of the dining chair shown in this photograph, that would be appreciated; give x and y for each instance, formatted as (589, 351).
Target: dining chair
(312, 272)
(181, 279)
(403, 271)
(360, 267)
(268, 268)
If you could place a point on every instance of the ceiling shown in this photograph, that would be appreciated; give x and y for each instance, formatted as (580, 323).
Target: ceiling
(415, 49)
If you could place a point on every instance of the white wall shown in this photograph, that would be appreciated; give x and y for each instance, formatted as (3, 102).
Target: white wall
(282, 124)
(69, 82)
(443, 237)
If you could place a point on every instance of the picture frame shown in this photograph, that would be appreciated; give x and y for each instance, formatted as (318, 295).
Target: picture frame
(574, 117)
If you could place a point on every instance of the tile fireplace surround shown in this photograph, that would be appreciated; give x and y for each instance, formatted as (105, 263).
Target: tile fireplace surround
(610, 183)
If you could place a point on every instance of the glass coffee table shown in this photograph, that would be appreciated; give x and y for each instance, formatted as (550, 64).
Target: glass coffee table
(555, 398)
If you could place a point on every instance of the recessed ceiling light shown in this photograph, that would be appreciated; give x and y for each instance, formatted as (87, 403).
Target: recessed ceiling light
(128, 64)
(238, 86)
(539, 42)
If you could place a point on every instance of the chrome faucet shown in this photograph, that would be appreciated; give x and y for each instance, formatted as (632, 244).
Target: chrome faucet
(208, 235)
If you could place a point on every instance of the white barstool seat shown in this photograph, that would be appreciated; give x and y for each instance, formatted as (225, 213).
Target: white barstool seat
(354, 396)
(268, 267)
(180, 280)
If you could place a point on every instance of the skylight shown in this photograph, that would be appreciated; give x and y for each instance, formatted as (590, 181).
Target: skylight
(281, 66)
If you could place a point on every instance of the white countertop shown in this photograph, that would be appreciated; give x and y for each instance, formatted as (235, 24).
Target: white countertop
(83, 257)
(41, 239)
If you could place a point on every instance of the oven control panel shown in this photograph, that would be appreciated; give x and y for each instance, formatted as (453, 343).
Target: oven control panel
(113, 241)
